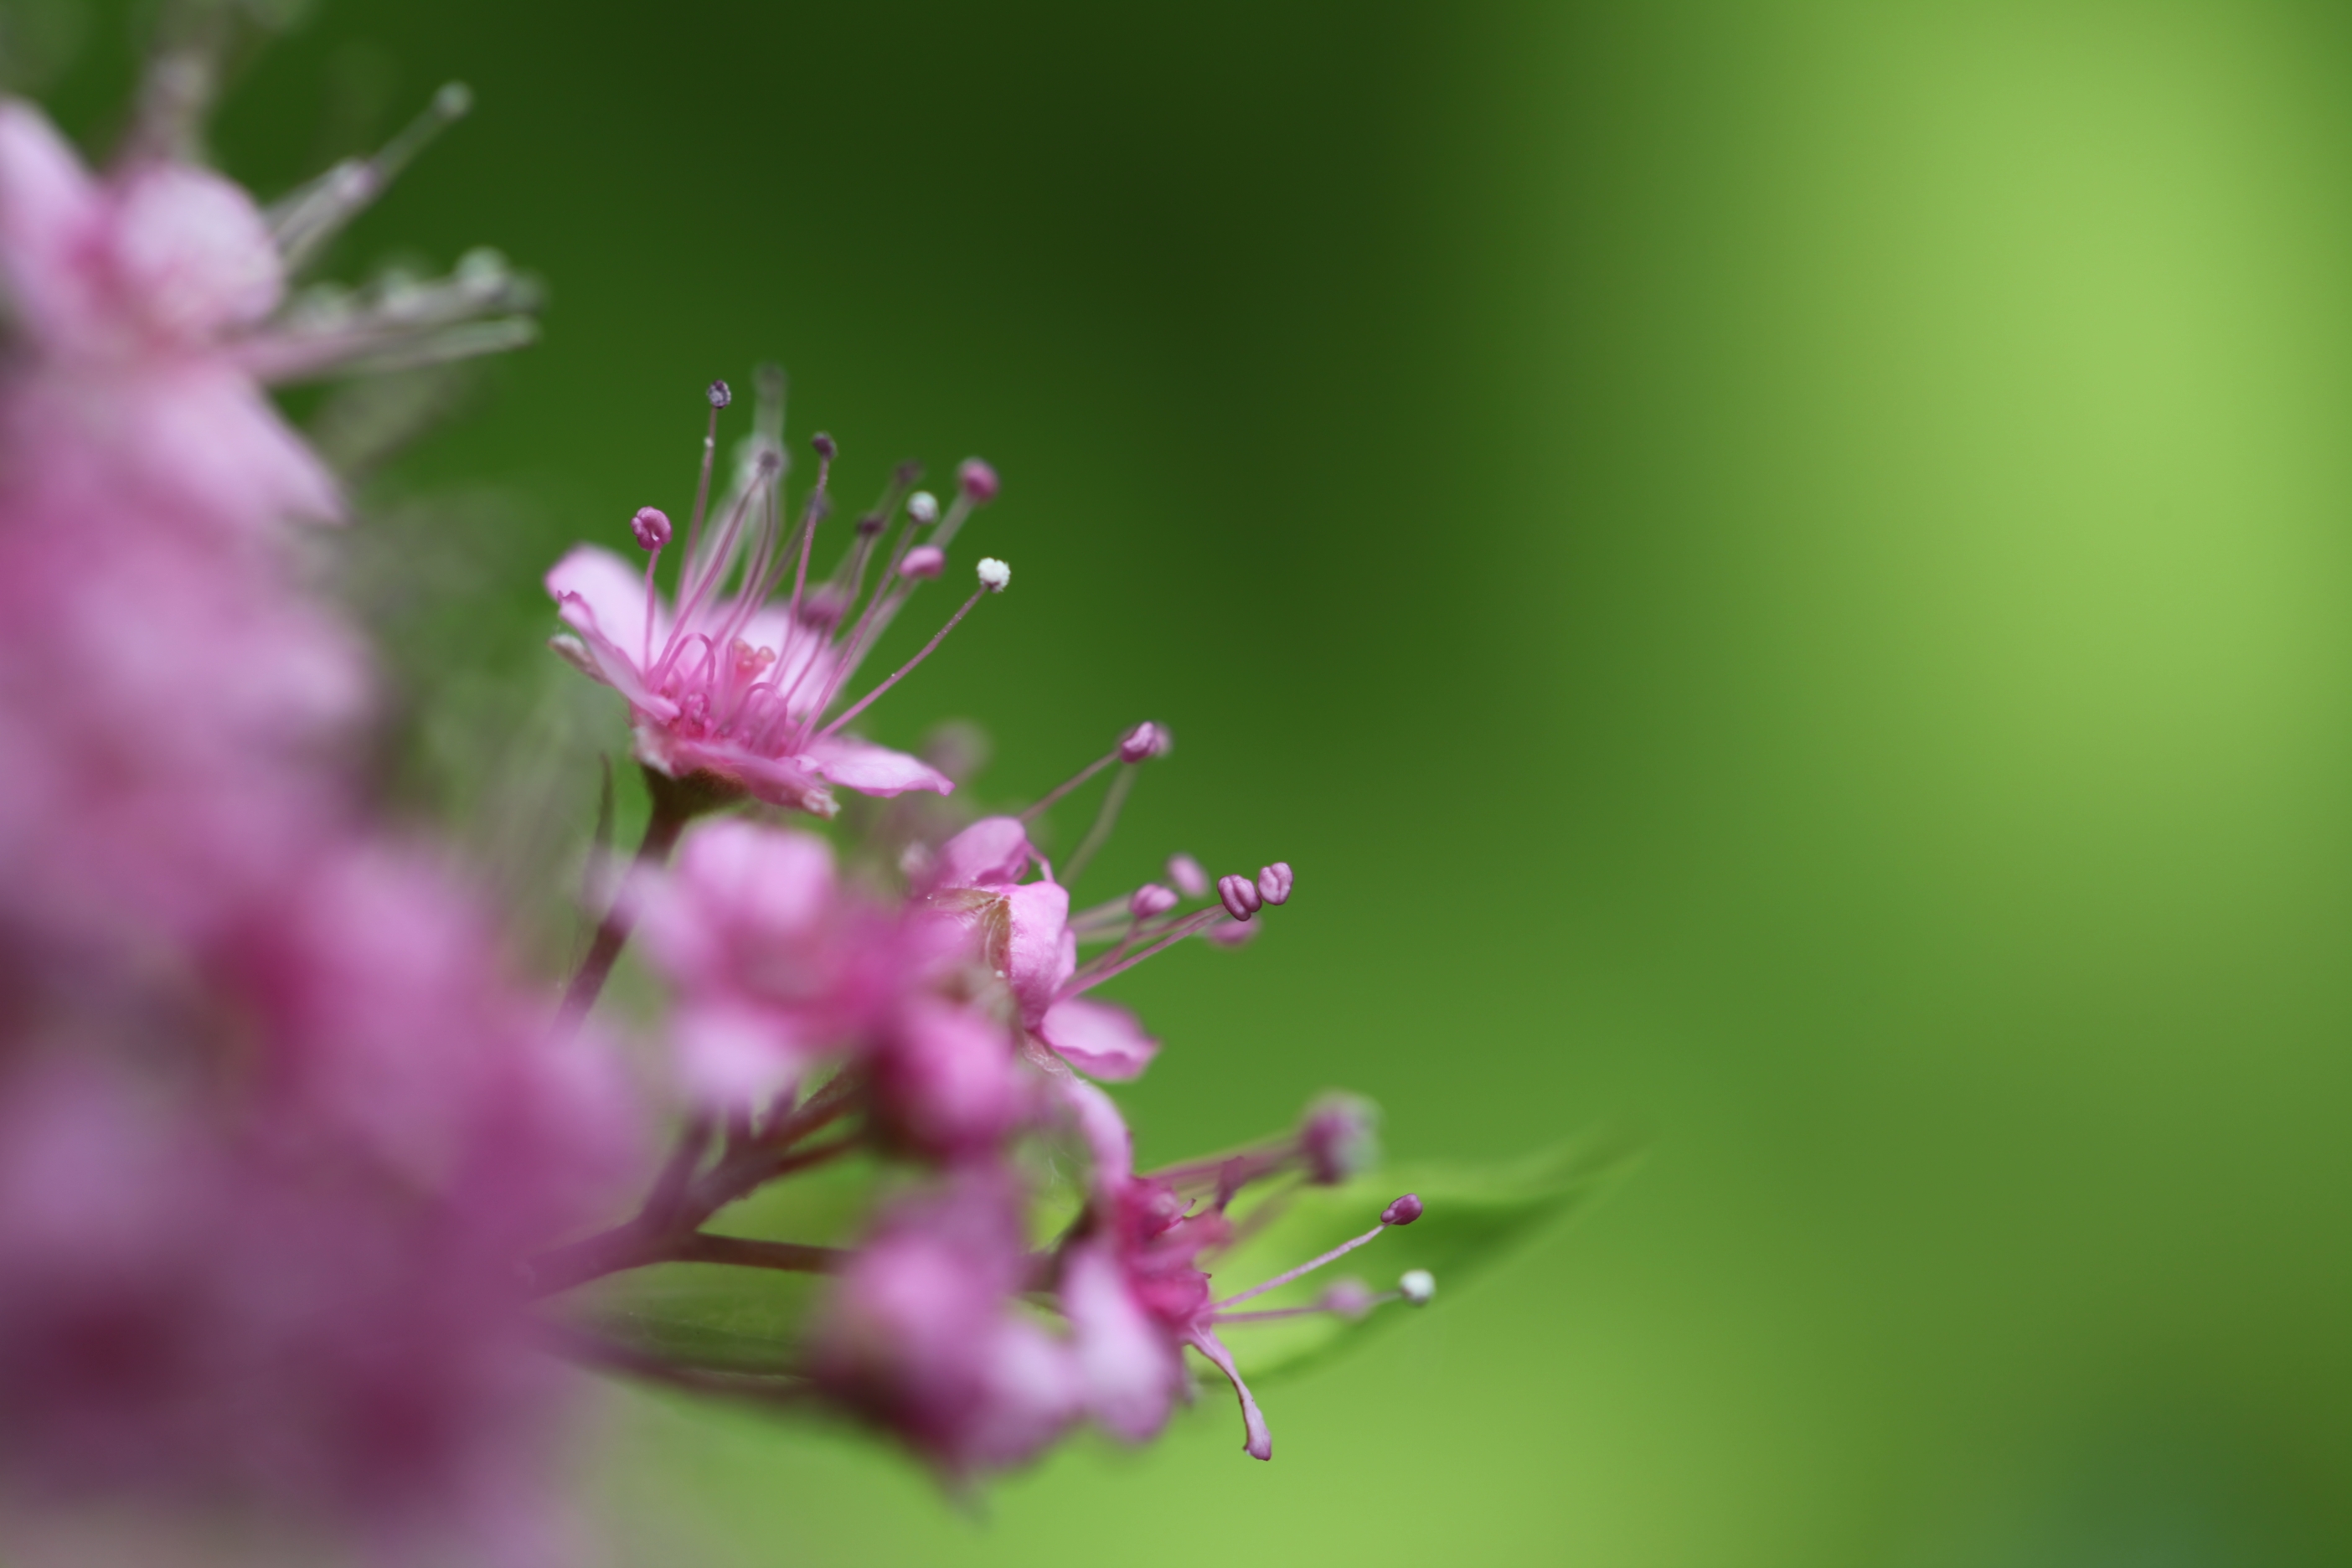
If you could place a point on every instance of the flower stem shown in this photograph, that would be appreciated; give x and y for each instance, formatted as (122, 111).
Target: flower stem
(674, 803)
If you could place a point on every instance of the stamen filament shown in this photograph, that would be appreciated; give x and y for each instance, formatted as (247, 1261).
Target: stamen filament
(1105, 820)
(1095, 973)
(1309, 1267)
(1047, 802)
(900, 673)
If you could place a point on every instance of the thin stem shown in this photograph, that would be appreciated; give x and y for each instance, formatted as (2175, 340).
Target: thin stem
(668, 820)
(1096, 972)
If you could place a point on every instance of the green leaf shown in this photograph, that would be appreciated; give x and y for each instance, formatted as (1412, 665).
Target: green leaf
(1473, 1215)
(726, 1318)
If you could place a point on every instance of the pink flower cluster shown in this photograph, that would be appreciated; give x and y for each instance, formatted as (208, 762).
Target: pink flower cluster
(297, 1184)
(934, 1012)
(274, 1126)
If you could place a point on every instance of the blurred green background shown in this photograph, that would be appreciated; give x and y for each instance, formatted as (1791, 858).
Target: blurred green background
(1779, 570)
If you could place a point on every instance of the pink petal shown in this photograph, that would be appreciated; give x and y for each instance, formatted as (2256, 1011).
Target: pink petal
(873, 769)
(777, 781)
(1130, 1371)
(1105, 1132)
(1098, 1038)
(1258, 1442)
(993, 850)
(596, 590)
(51, 215)
(1042, 952)
(192, 250)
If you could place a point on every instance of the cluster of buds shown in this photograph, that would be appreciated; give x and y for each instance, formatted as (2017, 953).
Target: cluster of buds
(944, 1024)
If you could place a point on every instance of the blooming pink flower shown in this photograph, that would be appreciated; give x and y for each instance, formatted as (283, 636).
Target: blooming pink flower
(1028, 936)
(1136, 1293)
(732, 685)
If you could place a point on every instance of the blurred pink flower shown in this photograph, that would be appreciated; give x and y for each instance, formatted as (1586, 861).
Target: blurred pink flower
(925, 1334)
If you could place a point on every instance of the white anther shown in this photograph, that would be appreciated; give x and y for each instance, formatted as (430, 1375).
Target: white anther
(923, 507)
(1417, 1285)
(994, 575)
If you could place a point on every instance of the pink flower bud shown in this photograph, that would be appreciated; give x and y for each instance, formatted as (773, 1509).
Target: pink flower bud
(651, 526)
(1240, 897)
(1146, 740)
(978, 481)
(1405, 1210)
(1186, 873)
(1336, 1138)
(924, 561)
(1151, 899)
(1274, 882)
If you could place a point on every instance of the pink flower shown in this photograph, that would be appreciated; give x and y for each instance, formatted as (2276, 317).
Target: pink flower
(733, 685)
(1027, 936)
(282, 1273)
(776, 965)
(1136, 1293)
(925, 1335)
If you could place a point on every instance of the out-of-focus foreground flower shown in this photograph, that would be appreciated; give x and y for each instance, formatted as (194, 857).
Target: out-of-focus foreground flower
(306, 1202)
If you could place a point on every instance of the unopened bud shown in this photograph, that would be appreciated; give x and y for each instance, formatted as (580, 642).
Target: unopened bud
(719, 394)
(1239, 895)
(1336, 1138)
(651, 526)
(978, 481)
(994, 574)
(1151, 899)
(824, 447)
(1186, 873)
(1417, 1285)
(923, 507)
(1146, 740)
(1274, 882)
(1405, 1210)
(924, 561)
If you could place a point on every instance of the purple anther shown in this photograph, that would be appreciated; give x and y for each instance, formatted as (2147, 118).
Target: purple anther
(825, 446)
(651, 526)
(719, 394)
(1186, 873)
(771, 460)
(1151, 899)
(873, 522)
(1146, 740)
(906, 473)
(979, 482)
(1274, 882)
(924, 561)
(1405, 1210)
(1239, 895)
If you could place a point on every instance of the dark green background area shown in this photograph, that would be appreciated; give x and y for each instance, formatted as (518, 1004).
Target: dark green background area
(1781, 573)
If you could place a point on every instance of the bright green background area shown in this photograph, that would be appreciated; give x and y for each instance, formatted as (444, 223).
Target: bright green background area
(1779, 570)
